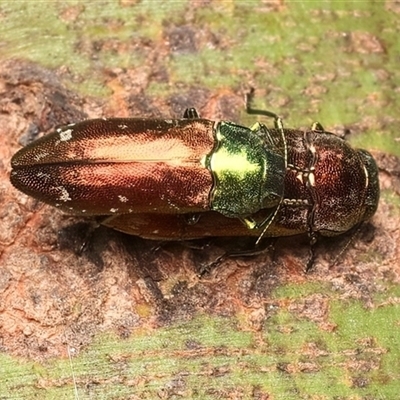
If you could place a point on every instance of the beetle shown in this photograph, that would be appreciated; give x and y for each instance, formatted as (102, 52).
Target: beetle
(192, 178)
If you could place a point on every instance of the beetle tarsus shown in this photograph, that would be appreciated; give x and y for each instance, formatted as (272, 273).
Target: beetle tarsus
(311, 259)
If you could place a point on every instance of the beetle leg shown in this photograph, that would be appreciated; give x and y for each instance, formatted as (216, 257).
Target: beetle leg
(249, 250)
(310, 183)
(191, 113)
(309, 174)
(267, 246)
(317, 127)
(311, 257)
(355, 231)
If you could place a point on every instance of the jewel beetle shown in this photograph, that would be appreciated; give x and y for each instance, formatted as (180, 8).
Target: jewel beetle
(192, 178)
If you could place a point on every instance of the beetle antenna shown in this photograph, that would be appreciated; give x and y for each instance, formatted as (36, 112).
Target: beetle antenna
(355, 232)
(279, 127)
(249, 97)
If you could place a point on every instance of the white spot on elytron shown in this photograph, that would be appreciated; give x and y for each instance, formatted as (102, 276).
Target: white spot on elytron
(122, 126)
(312, 149)
(299, 176)
(83, 211)
(66, 135)
(130, 210)
(311, 179)
(168, 121)
(42, 175)
(64, 196)
(62, 128)
(104, 119)
(113, 210)
(123, 199)
(39, 156)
